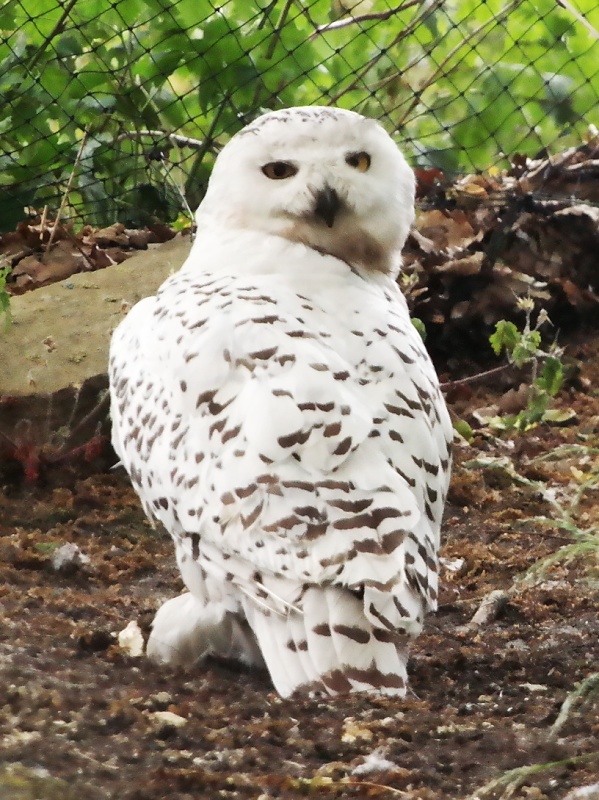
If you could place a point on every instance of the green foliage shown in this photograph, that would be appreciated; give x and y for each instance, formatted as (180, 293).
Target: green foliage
(552, 376)
(463, 429)
(4, 297)
(523, 347)
(420, 327)
(463, 82)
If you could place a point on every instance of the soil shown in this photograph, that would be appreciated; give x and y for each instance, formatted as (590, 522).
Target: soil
(80, 717)
(503, 699)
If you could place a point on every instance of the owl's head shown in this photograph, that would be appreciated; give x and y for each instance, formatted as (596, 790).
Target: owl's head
(328, 178)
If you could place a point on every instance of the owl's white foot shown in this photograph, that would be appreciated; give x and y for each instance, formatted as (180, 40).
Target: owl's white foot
(185, 631)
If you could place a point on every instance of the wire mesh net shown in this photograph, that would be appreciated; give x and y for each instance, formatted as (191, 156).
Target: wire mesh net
(116, 110)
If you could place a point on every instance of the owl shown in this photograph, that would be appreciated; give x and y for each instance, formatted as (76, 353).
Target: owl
(277, 412)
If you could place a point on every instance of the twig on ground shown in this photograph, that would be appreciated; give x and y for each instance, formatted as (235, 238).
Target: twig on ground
(370, 784)
(489, 609)
(511, 780)
(44, 219)
(102, 403)
(587, 686)
(480, 376)
(89, 451)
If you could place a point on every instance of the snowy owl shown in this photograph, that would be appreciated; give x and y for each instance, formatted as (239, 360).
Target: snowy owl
(278, 413)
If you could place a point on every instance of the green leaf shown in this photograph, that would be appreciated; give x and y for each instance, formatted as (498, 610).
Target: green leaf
(4, 296)
(559, 416)
(69, 44)
(464, 430)
(506, 337)
(526, 348)
(552, 376)
(420, 327)
(534, 412)
(511, 82)
(507, 423)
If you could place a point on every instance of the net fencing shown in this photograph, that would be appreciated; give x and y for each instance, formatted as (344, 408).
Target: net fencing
(116, 110)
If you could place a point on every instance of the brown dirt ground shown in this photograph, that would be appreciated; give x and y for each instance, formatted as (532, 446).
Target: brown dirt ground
(78, 715)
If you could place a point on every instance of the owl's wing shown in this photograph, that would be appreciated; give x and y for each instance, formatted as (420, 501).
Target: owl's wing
(276, 451)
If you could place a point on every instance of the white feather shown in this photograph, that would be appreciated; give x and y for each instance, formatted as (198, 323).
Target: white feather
(278, 413)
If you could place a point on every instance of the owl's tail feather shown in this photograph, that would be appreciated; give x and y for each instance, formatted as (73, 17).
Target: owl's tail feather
(185, 630)
(331, 646)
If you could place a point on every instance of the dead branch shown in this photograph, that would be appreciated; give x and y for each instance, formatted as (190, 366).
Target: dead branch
(490, 608)
(101, 405)
(587, 686)
(511, 780)
(65, 196)
(577, 15)
(419, 17)
(480, 376)
(176, 138)
(381, 15)
(280, 24)
(471, 37)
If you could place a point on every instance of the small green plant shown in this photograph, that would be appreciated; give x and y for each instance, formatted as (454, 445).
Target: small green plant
(4, 296)
(568, 502)
(523, 348)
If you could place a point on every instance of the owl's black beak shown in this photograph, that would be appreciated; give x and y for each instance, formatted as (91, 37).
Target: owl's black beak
(327, 205)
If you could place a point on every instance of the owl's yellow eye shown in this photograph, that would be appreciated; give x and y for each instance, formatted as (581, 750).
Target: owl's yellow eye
(279, 170)
(359, 161)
